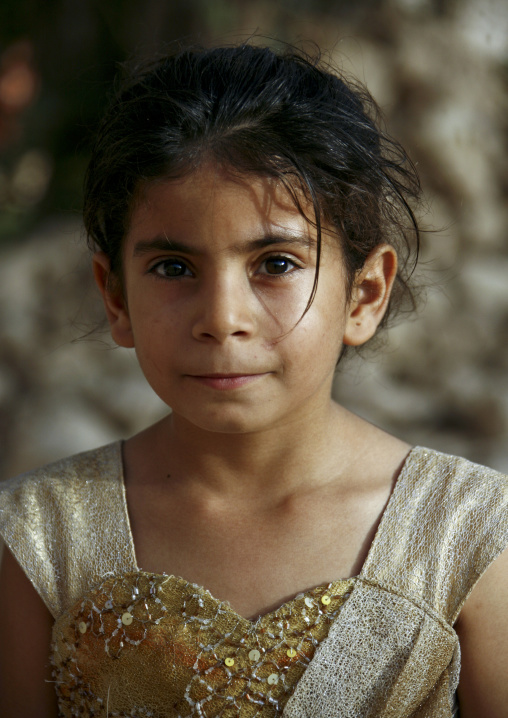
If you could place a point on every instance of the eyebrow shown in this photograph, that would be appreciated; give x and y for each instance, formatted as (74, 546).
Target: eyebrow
(166, 244)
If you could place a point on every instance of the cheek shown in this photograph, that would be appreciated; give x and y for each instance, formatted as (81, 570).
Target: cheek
(153, 317)
(286, 302)
(315, 342)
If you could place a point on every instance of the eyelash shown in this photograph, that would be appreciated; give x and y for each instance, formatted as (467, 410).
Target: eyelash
(159, 265)
(280, 258)
(155, 269)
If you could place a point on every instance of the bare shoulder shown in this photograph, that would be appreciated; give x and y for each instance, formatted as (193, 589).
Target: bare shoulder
(26, 690)
(482, 628)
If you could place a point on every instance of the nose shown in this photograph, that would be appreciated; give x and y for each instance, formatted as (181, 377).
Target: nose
(225, 309)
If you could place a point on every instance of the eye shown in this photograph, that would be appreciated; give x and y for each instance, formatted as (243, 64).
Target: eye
(277, 264)
(171, 268)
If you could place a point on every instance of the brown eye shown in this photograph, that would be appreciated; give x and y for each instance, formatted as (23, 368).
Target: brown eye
(278, 265)
(171, 268)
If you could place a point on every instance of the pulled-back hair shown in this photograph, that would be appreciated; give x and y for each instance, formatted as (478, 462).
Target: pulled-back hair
(256, 111)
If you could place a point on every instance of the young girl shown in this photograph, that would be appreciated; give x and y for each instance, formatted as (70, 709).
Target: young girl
(260, 551)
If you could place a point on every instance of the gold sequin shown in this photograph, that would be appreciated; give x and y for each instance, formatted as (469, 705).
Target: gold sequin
(127, 618)
(203, 658)
(68, 526)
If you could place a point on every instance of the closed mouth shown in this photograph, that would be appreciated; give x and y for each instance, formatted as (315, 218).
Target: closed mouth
(224, 376)
(232, 380)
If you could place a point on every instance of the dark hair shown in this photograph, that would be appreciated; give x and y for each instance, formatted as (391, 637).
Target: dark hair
(254, 110)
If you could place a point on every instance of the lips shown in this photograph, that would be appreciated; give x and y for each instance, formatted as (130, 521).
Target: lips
(225, 382)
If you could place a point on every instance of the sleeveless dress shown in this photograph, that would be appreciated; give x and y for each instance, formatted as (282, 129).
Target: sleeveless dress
(130, 643)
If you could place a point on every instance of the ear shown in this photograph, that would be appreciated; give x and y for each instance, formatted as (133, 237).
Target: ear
(371, 293)
(114, 301)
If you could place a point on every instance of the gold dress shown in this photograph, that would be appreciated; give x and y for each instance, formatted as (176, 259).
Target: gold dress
(130, 643)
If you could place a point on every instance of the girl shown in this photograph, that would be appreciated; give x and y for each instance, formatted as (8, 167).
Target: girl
(260, 551)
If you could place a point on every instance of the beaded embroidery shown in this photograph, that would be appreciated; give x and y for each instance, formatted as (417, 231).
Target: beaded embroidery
(392, 651)
(144, 645)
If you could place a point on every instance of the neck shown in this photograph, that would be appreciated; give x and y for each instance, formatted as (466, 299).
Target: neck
(274, 462)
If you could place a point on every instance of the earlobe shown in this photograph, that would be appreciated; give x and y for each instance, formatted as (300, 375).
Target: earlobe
(371, 295)
(114, 301)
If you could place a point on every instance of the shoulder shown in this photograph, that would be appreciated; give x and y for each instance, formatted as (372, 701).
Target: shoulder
(72, 469)
(441, 491)
(452, 476)
(446, 522)
(51, 517)
(53, 487)
(31, 501)
(467, 500)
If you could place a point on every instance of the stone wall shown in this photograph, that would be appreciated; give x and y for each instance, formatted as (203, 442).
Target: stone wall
(442, 378)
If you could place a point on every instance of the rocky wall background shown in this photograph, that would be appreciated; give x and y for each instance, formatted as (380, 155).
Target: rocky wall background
(439, 70)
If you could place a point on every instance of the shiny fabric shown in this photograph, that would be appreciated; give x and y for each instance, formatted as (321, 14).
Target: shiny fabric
(142, 644)
(391, 650)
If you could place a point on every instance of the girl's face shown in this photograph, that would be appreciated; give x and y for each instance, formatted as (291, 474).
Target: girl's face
(217, 273)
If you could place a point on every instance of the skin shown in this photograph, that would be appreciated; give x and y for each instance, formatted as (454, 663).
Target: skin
(25, 633)
(256, 463)
(482, 628)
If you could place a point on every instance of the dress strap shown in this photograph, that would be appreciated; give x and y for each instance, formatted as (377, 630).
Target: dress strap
(446, 522)
(67, 524)
(392, 650)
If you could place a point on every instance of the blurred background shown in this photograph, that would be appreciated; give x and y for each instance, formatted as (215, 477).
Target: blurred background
(439, 70)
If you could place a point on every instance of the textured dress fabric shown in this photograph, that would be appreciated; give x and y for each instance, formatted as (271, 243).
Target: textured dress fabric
(388, 649)
(144, 644)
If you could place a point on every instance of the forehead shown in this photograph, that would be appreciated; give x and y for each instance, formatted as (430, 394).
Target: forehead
(214, 202)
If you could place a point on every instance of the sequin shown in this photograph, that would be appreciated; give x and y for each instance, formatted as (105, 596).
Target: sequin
(67, 525)
(127, 618)
(178, 647)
